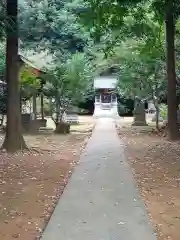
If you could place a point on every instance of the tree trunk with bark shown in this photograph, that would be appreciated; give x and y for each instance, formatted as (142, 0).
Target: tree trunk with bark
(61, 126)
(34, 103)
(157, 116)
(173, 130)
(57, 111)
(156, 104)
(14, 140)
(42, 102)
(42, 106)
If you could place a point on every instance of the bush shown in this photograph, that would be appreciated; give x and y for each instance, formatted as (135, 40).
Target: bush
(163, 111)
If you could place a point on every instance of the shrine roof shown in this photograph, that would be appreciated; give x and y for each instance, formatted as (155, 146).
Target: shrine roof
(39, 61)
(105, 82)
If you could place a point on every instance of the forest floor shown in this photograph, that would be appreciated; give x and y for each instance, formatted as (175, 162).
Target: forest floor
(32, 182)
(156, 167)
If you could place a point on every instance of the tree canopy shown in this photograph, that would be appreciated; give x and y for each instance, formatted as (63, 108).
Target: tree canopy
(52, 25)
(135, 19)
(85, 36)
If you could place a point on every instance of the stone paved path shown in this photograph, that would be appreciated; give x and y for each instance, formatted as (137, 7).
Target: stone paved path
(101, 201)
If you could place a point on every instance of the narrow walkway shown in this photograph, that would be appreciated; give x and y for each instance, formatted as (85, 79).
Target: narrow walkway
(101, 201)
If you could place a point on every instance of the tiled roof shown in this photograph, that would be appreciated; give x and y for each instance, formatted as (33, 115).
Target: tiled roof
(38, 61)
(105, 82)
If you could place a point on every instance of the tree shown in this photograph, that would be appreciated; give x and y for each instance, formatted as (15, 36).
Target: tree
(67, 84)
(141, 65)
(171, 70)
(14, 140)
(53, 26)
(114, 16)
(142, 76)
(30, 86)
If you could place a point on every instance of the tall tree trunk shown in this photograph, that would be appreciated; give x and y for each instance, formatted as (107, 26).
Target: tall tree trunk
(20, 97)
(57, 111)
(156, 104)
(42, 106)
(34, 105)
(14, 140)
(157, 116)
(171, 71)
(51, 106)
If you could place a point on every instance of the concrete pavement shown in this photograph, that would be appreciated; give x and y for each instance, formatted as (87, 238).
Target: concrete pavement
(101, 201)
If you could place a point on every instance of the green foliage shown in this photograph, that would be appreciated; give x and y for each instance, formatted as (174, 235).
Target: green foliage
(79, 73)
(53, 26)
(139, 61)
(128, 38)
(2, 18)
(142, 73)
(29, 83)
(163, 111)
(27, 77)
(2, 58)
(68, 82)
(107, 14)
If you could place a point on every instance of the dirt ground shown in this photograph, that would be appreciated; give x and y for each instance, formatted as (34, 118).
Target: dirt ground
(32, 182)
(156, 168)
